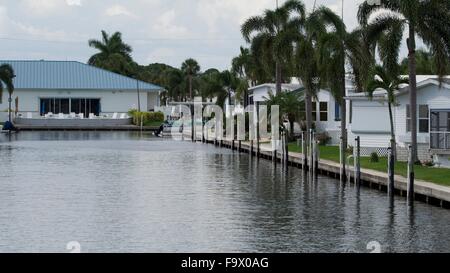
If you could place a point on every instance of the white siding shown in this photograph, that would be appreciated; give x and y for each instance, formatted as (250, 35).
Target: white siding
(431, 95)
(261, 93)
(331, 127)
(152, 101)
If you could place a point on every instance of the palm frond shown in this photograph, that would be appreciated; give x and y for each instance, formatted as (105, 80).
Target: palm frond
(253, 24)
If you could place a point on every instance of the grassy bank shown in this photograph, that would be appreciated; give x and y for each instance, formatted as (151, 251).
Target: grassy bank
(435, 175)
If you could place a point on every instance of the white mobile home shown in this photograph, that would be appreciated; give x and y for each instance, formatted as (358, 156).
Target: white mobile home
(64, 87)
(326, 111)
(370, 120)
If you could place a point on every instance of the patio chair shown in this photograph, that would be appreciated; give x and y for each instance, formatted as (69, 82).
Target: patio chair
(115, 116)
(92, 116)
(123, 116)
(81, 115)
(61, 116)
(73, 115)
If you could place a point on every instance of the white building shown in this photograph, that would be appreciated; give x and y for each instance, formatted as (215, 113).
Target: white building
(370, 120)
(73, 87)
(326, 111)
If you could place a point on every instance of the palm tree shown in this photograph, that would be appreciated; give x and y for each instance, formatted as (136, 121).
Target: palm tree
(113, 55)
(6, 80)
(305, 66)
(384, 80)
(268, 29)
(336, 46)
(290, 104)
(190, 68)
(429, 20)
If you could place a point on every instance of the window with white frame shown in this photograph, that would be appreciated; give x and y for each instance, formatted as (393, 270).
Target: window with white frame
(424, 118)
(440, 129)
(323, 108)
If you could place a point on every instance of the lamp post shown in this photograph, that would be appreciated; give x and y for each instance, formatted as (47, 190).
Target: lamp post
(10, 101)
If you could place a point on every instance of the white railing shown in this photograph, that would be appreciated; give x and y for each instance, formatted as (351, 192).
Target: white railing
(443, 140)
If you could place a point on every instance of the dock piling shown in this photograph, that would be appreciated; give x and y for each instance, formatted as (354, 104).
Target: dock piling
(357, 162)
(410, 194)
(311, 153)
(305, 152)
(391, 170)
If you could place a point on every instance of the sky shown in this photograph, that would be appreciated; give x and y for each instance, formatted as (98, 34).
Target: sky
(164, 31)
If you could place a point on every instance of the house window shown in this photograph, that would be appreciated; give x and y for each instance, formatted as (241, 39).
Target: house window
(337, 111)
(314, 111)
(424, 119)
(323, 111)
(440, 129)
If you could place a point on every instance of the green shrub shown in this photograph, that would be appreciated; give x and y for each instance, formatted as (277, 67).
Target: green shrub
(323, 139)
(374, 157)
(147, 118)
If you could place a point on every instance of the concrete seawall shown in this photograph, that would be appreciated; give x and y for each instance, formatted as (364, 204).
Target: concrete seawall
(430, 193)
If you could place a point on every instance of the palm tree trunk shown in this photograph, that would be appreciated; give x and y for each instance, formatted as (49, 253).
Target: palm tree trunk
(278, 77)
(343, 128)
(393, 140)
(190, 87)
(308, 114)
(413, 89)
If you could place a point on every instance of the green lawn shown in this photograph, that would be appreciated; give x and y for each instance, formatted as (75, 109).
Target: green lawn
(435, 175)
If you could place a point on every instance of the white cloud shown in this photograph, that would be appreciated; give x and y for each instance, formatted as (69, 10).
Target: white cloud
(74, 2)
(4, 21)
(43, 7)
(165, 25)
(235, 12)
(119, 10)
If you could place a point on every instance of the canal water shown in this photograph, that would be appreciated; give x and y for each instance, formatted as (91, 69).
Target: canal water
(127, 192)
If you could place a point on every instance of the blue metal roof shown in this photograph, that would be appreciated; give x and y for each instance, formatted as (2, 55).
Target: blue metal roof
(71, 75)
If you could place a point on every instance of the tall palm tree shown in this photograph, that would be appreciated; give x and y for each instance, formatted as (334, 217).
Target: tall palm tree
(429, 20)
(114, 54)
(305, 65)
(190, 68)
(268, 29)
(336, 47)
(6, 80)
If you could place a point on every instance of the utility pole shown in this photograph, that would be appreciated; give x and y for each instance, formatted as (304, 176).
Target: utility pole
(138, 95)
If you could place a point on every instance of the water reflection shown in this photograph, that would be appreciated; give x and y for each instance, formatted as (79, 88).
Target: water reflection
(127, 192)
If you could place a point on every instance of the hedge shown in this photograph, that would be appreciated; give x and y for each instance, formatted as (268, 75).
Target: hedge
(147, 117)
